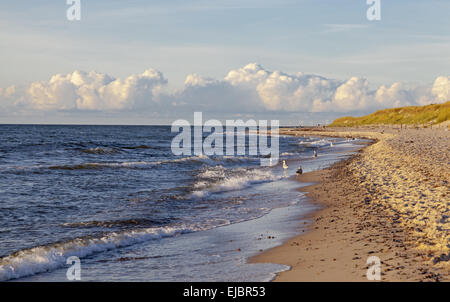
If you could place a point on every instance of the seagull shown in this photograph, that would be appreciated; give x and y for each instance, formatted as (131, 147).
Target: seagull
(315, 153)
(331, 144)
(284, 165)
(299, 170)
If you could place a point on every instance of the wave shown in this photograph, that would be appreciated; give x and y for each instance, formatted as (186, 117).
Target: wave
(138, 147)
(87, 166)
(141, 164)
(50, 257)
(114, 223)
(219, 179)
(290, 153)
(212, 160)
(316, 143)
(113, 150)
(100, 151)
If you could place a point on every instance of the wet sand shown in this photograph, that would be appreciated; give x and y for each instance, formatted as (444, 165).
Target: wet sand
(391, 200)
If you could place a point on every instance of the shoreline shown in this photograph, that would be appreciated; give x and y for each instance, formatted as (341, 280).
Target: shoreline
(357, 221)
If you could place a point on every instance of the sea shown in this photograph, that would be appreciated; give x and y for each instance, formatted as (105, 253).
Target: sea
(120, 201)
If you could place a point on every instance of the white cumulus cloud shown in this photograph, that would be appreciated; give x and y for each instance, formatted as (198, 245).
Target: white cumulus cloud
(249, 89)
(95, 91)
(441, 89)
(279, 91)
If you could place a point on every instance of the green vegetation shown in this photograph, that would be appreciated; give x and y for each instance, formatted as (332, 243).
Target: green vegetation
(412, 115)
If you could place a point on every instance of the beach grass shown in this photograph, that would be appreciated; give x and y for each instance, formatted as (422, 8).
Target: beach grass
(412, 115)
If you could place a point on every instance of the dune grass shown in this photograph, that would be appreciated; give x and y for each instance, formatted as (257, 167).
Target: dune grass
(412, 115)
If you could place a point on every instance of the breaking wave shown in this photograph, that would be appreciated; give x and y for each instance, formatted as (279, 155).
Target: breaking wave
(114, 223)
(219, 179)
(50, 257)
(100, 151)
(141, 164)
(316, 143)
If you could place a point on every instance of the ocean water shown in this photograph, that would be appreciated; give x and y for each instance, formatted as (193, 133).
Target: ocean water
(117, 198)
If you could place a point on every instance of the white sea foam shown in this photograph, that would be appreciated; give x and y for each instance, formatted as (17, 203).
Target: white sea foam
(316, 143)
(47, 258)
(289, 153)
(134, 164)
(219, 179)
(99, 150)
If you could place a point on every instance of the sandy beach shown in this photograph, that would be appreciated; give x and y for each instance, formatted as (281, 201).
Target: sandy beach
(391, 200)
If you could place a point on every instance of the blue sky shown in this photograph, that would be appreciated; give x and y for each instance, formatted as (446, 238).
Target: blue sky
(333, 39)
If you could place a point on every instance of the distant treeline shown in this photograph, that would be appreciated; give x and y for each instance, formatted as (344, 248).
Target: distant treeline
(412, 115)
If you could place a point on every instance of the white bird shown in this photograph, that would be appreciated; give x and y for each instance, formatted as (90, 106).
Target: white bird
(284, 165)
(331, 144)
(315, 153)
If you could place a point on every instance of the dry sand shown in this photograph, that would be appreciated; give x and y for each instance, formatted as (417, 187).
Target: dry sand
(391, 200)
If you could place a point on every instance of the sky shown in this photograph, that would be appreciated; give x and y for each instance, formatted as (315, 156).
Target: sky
(151, 62)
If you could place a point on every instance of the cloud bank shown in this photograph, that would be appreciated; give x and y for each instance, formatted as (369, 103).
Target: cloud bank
(251, 88)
